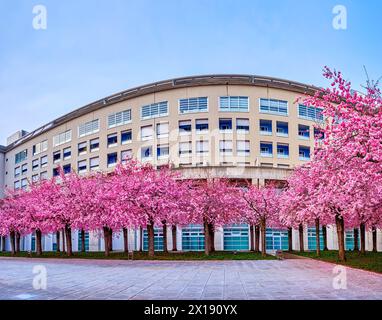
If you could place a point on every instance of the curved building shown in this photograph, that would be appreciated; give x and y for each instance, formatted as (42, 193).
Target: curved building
(233, 126)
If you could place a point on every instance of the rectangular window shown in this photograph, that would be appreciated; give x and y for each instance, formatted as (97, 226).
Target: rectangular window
(17, 171)
(242, 125)
(40, 147)
(192, 237)
(67, 154)
(44, 175)
(44, 161)
(225, 125)
(147, 133)
(24, 184)
(185, 127)
(266, 127)
(126, 155)
(273, 106)
(303, 132)
(88, 128)
(234, 104)
(35, 164)
(225, 147)
(17, 185)
(82, 167)
(56, 172)
(56, 156)
(119, 118)
(201, 125)
(112, 140)
(282, 151)
(162, 130)
(21, 156)
(185, 148)
(112, 159)
(82, 148)
(266, 149)
(24, 169)
(163, 151)
(94, 164)
(304, 153)
(310, 113)
(35, 178)
(202, 146)
(94, 145)
(243, 148)
(62, 138)
(126, 136)
(236, 237)
(193, 105)
(66, 168)
(154, 110)
(147, 152)
(282, 129)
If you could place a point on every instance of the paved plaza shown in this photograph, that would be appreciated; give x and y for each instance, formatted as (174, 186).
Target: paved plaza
(101, 279)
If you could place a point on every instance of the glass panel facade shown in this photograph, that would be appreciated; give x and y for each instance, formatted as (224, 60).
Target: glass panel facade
(193, 238)
(276, 239)
(312, 239)
(349, 240)
(86, 241)
(236, 237)
(158, 240)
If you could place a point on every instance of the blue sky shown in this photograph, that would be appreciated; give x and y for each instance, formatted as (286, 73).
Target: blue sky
(93, 48)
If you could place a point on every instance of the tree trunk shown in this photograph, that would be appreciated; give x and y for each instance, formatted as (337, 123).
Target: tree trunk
(173, 230)
(257, 238)
(140, 239)
(356, 245)
(341, 237)
(164, 230)
(263, 243)
(38, 242)
(17, 239)
(325, 238)
(82, 240)
(12, 239)
(374, 233)
(4, 243)
(58, 241)
(110, 239)
(68, 236)
(212, 237)
(318, 247)
(207, 245)
(63, 240)
(290, 239)
(301, 236)
(362, 230)
(125, 240)
(252, 240)
(106, 237)
(150, 235)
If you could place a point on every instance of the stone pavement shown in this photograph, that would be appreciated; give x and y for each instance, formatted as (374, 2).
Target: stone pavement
(112, 279)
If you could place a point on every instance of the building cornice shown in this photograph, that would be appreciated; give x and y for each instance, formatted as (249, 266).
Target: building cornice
(192, 81)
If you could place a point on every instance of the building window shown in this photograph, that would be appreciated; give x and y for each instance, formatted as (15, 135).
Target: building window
(319, 134)
(158, 239)
(243, 148)
(56, 156)
(119, 118)
(82, 166)
(185, 127)
(66, 168)
(17, 172)
(126, 136)
(201, 125)
(282, 129)
(82, 148)
(310, 113)
(94, 164)
(56, 172)
(202, 146)
(162, 151)
(266, 127)
(67, 154)
(24, 169)
(35, 178)
(273, 106)
(44, 161)
(162, 130)
(266, 149)
(225, 147)
(185, 148)
(276, 239)
(88, 128)
(24, 184)
(236, 237)
(193, 105)
(35, 164)
(80, 241)
(62, 138)
(126, 155)
(147, 133)
(304, 153)
(312, 239)
(44, 175)
(40, 147)
(147, 152)
(17, 185)
(234, 104)
(193, 238)
(242, 125)
(303, 132)
(112, 140)
(225, 125)
(282, 151)
(112, 159)
(21, 156)
(349, 239)
(154, 110)
(94, 145)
